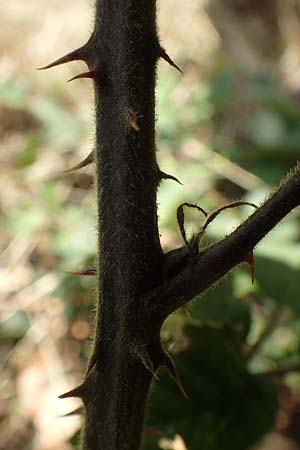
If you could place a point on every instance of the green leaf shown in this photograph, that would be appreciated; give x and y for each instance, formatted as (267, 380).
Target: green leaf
(279, 280)
(229, 408)
(220, 306)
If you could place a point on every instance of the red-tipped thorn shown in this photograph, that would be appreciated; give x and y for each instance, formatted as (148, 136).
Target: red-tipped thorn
(180, 386)
(76, 55)
(169, 364)
(88, 272)
(77, 392)
(164, 55)
(91, 74)
(249, 259)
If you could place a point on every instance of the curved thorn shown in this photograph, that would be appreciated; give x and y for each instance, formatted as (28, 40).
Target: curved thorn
(87, 272)
(91, 74)
(75, 412)
(77, 55)
(170, 366)
(166, 176)
(164, 55)
(77, 392)
(180, 218)
(88, 160)
(213, 215)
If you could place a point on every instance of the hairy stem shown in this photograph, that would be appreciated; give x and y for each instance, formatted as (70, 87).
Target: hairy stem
(123, 52)
(199, 273)
(139, 286)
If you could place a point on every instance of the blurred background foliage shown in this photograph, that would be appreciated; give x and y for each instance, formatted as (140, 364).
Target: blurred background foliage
(229, 129)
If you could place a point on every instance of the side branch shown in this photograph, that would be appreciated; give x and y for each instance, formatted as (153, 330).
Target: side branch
(213, 263)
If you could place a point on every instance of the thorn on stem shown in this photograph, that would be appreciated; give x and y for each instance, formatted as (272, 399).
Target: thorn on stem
(194, 243)
(79, 54)
(170, 366)
(91, 75)
(166, 176)
(180, 219)
(87, 272)
(164, 55)
(214, 214)
(75, 412)
(88, 160)
(77, 392)
(249, 259)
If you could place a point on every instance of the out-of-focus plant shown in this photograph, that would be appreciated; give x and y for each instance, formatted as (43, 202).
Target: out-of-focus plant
(244, 330)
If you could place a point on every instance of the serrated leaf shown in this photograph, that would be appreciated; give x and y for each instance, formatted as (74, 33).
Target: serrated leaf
(229, 408)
